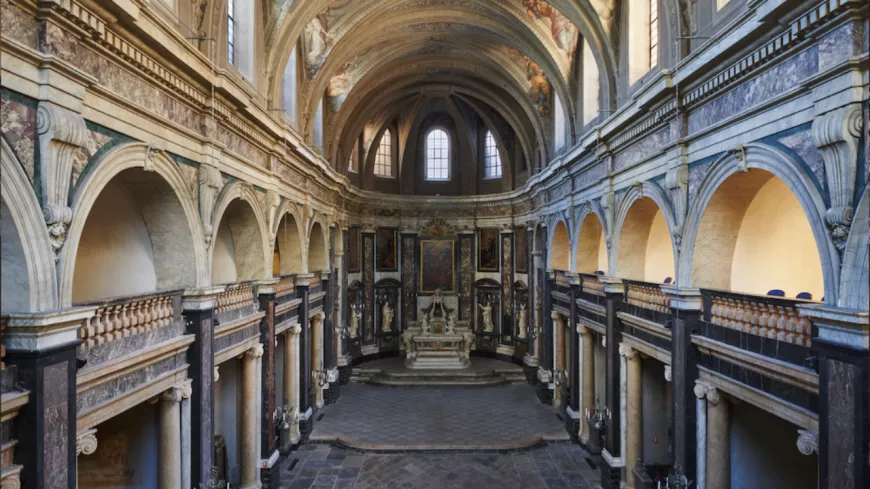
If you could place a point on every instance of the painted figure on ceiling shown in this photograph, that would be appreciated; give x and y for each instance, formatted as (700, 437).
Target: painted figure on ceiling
(539, 88)
(339, 87)
(564, 31)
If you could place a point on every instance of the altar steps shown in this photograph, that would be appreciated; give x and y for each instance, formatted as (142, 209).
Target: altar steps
(439, 378)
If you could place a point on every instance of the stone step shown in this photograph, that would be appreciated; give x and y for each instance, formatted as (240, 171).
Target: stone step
(422, 381)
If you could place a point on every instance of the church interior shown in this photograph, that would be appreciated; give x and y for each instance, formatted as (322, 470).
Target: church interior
(410, 244)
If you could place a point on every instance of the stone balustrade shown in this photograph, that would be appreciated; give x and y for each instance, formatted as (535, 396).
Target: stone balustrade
(285, 286)
(591, 285)
(120, 318)
(235, 297)
(760, 315)
(646, 296)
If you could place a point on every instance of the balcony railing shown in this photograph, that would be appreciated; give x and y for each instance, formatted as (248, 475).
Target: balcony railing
(235, 297)
(128, 316)
(285, 288)
(647, 301)
(769, 317)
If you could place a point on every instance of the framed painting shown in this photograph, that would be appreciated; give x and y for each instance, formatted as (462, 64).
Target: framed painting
(387, 254)
(437, 266)
(521, 248)
(353, 250)
(487, 250)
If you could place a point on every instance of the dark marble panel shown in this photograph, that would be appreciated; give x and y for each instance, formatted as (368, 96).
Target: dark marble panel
(106, 392)
(235, 314)
(839, 45)
(237, 337)
(801, 142)
(56, 446)
(18, 123)
(99, 354)
(647, 146)
(841, 423)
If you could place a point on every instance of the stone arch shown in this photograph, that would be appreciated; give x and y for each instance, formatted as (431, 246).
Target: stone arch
(854, 283)
(590, 241)
(560, 247)
(318, 247)
(28, 272)
(240, 248)
(155, 185)
(644, 219)
(727, 191)
(288, 240)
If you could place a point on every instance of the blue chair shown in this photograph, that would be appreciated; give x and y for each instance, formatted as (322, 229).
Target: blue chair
(805, 296)
(668, 280)
(776, 293)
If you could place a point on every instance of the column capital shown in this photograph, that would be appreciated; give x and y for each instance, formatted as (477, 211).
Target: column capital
(668, 373)
(86, 442)
(172, 394)
(807, 442)
(201, 298)
(266, 285)
(555, 315)
(684, 298)
(701, 389)
(714, 397)
(254, 352)
(294, 329)
(217, 374)
(628, 352)
(186, 388)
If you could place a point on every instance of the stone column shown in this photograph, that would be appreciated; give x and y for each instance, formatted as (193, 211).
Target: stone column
(303, 280)
(291, 381)
(700, 392)
(269, 474)
(612, 462)
(198, 311)
(42, 347)
(249, 430)
(588, 375)
(633, 412)
(216, 395)
(718, 441)
(559, 354)
(169, 439)
(317, 357)
(686, 305)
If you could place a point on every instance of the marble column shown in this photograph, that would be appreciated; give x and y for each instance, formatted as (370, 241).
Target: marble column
(558, 365)
(291, 380)
(249, 429)
(303, 281)
(700, 391)
(169, 439)
(588, 375)
(718, 441)
(317, 358)
(633, 412)
(269, 474)
(216, 394)
(612, 460)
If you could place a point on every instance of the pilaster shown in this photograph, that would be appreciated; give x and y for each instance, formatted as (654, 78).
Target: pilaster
(269, 409)
(612, 461)
(303, 280)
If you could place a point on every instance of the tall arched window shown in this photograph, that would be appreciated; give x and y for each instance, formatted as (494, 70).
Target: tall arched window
(384, 158)
(643, 50)
(558, 123)
(241, 25)
(231, 31)
(492, 160)
(653, 33)
(318, 126)
(437, 155)
(590, 84)
(288, 90)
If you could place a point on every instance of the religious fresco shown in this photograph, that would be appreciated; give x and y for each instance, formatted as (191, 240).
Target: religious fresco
(539, 88)
(387, 253)
(436, 266)
(317, 40)
(564, 31)
(487, 250)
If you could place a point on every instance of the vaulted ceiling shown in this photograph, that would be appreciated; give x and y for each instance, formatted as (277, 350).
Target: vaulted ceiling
(370, 60)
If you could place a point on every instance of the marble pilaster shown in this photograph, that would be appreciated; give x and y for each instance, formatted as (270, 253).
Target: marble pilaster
(169, 471)
(249, 427)
(633, 412)
(588, 375)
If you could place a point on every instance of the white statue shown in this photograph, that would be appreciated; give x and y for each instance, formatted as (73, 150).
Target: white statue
(386, 318)
(407, 340)
(467, 338)
(425, 324)
(451, 323)
(487, 317)
(355, 316)
(521, 321)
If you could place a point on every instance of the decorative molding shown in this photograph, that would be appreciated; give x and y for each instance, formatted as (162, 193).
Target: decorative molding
(86, 442)
(210, 183)
(807, 442)
(254, 352)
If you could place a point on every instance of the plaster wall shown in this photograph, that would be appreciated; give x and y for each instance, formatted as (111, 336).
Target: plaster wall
(659, 260)
(591, 246)
(126, 455)
(15, 286)
(115, 257)
(644, 244)
(289, 244)
(602, 254)
(560, 250)
(775, 246)
(223, 265)
(656, 412)
(230, 415)
(764, 454)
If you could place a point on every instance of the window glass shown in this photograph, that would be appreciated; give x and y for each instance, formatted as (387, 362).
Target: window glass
(384, 159)
(492, 160)
(437, 155)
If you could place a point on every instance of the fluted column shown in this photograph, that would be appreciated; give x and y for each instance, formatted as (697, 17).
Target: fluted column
(169, 442)
(634, 412)
(249, 431)
(588, 379)
(718, 441)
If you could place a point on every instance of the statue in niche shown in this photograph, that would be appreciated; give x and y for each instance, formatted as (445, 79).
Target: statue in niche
(355, 315)
(386, 317)
(521, 320)
(487, 317)
(451, 324)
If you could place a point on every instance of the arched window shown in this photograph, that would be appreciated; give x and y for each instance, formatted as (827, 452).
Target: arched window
(384, 158)
(653, 33)
(437, 155)
(590, 84)
(643, 50)
(318, 126)
(241, 25)
(231, 31)
(558, 123)
(288, 92)
(492, 160)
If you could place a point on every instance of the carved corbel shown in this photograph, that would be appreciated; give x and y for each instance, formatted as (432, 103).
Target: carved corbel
(152, 151)
(837, 134)
(742, 163)
(210, 183)
(273, 200)
(677, 182)
(807, 442)
(86, 442)
(61, 133)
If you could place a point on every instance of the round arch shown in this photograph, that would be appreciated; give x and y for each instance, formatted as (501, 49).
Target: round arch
(240, 248)
(854, 286)
(590, 242)
(318, 248)
(36, 284)
(644, 221)
(727, 201)
(175, 232)
(560, 247)
(289, 249)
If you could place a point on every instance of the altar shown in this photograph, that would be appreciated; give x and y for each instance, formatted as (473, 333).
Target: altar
(437, 340)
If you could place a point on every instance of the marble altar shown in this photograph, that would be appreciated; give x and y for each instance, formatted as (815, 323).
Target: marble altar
(437, 340)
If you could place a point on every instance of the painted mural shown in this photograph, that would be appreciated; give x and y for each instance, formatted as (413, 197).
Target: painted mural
(436, 266)
(387, 254)
(563, 31)
(318, 37)
(487, 250)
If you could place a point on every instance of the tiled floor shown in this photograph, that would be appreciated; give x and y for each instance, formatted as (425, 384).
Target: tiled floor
(376, 417)
(559, 465)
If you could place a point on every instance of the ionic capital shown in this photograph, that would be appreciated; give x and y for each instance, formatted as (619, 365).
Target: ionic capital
(217, 374)
(254, 352)
(186, 388)
(86, 442)
(668, 373)
(714, 397)
(627, 351)
(807, 442)
(555, 315)
(294, 329)
(700, 390)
